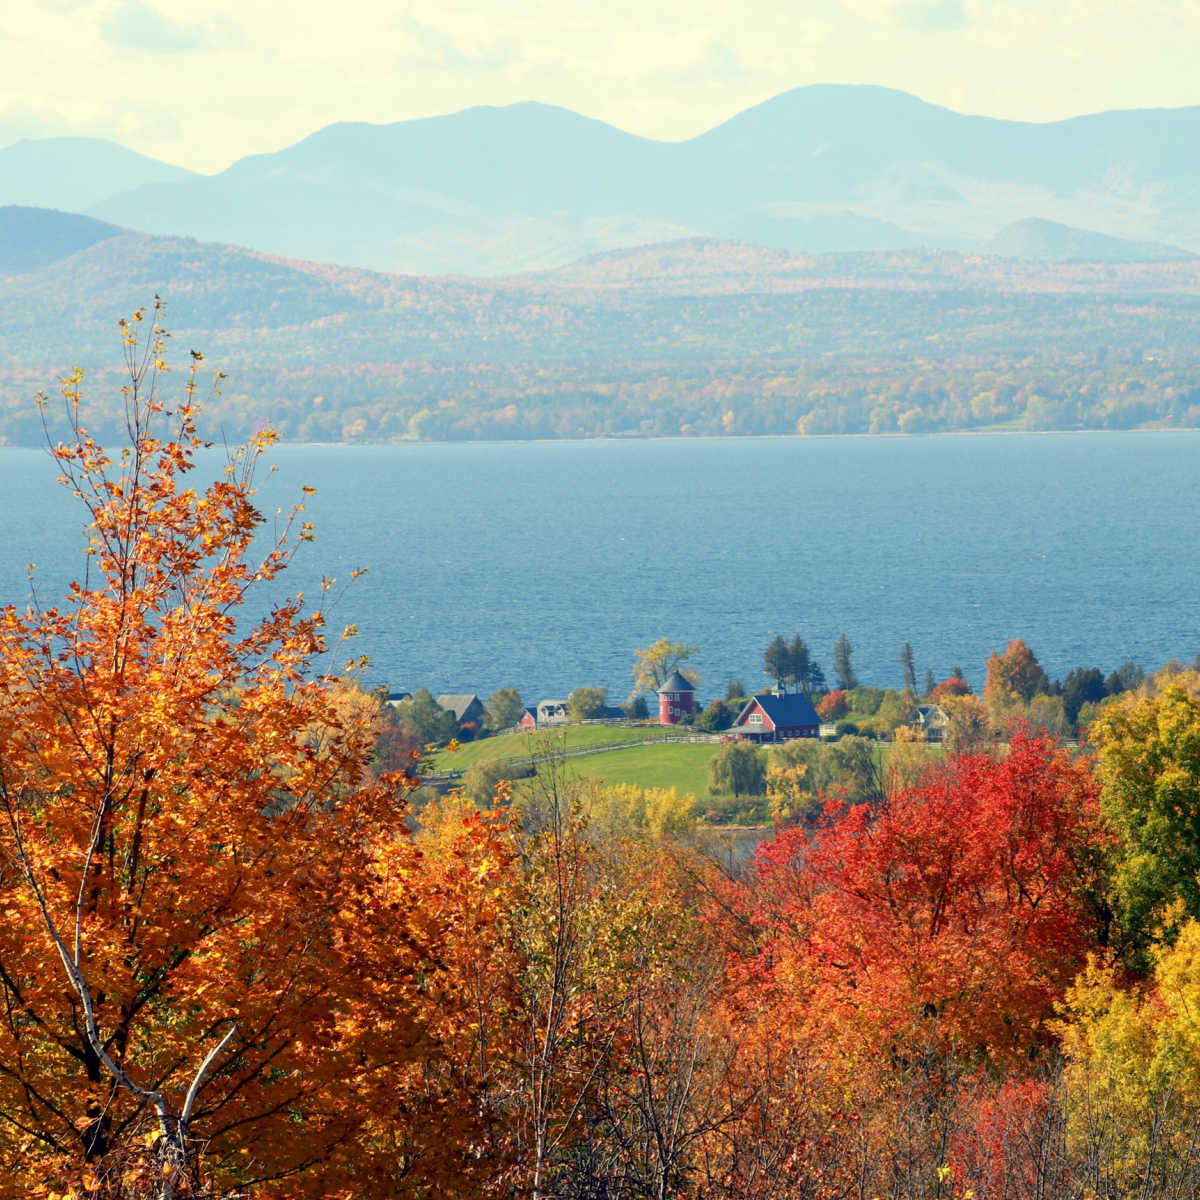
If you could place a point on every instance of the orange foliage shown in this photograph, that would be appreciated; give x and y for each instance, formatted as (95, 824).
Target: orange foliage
(208, 939)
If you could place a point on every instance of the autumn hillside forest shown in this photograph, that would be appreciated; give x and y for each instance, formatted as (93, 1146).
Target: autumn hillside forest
(245, 953)
(694, 337)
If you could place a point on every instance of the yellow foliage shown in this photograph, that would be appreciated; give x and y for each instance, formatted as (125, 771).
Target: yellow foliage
(1132, 1074)
(626, 810)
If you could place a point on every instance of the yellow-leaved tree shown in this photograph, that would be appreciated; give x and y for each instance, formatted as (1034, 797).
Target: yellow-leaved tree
(1132, 1075)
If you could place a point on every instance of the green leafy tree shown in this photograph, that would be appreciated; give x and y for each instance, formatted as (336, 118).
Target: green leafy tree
(845, 770)
(898, 708)
(842, 666)
(1127, 677)
(735, 689)
(1083, 685)
(738, 769)
(717, 716)
(583, 704)
(503, 709)
(479, 782)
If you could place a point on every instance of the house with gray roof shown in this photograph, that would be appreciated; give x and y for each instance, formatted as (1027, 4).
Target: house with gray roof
(466, 706)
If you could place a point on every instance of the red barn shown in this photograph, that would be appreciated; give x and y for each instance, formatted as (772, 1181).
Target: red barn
(676, 699)
(773, 718)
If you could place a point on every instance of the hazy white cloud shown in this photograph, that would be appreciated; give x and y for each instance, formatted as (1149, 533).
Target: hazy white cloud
(135, 24)
(19, 121)
(228, 78)
(936, 16)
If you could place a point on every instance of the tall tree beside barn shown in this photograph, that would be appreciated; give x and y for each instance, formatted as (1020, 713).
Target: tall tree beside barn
(801, 664)
(909, 667)
(504, 708)
(777, 661)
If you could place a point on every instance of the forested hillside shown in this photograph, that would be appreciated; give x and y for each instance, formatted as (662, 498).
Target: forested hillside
(685, 338)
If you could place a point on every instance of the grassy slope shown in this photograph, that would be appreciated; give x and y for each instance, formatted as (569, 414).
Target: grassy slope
(569, 737)
(683, 766)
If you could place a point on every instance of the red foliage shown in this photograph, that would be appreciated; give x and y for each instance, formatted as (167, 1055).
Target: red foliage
(952, 918)
(832, 705)
(1011, 1142)
(953, 685)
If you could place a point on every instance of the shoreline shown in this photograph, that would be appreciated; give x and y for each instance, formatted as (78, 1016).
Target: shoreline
(619, 439)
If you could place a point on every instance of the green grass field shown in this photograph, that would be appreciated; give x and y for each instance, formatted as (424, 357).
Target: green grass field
(682, 766)
(679, 765)
(568, 737)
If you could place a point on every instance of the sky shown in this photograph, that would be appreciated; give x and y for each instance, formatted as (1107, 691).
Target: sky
(201, 83)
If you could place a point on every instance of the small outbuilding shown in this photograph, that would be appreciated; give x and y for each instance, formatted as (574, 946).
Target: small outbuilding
(773, 718)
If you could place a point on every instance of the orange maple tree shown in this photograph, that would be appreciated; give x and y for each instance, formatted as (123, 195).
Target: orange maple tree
(199, 903)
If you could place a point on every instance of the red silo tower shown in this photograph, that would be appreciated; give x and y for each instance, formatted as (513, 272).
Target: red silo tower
(676, 699)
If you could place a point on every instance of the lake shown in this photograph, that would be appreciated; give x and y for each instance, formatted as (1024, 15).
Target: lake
(545, 565)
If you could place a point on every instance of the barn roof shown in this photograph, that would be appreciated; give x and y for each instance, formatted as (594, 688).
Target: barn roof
(795, 708)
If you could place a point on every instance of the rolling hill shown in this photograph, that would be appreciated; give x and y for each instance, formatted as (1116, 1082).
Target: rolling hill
(697, 336)
(1048, 241)
(31, 238)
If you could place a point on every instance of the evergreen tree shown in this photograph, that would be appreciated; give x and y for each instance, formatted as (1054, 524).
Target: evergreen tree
(842, 666)
(910, 670)
(800, 664)
(777, 661)
(816, 680)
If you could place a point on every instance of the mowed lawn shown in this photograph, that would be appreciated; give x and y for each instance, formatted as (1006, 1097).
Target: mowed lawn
(683, 766)
(567, 737)
(679, 765)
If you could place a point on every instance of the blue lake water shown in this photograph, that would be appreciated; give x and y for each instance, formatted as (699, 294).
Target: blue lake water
(545, 565)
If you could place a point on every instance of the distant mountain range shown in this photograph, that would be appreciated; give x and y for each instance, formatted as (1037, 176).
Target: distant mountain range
(491, 191)
(1048, 241)
(696, 336)
(75, 174)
